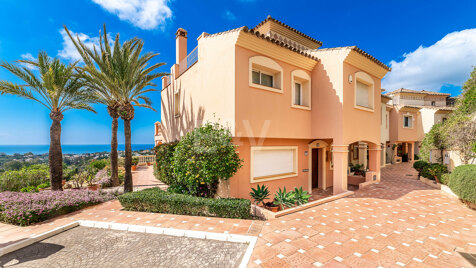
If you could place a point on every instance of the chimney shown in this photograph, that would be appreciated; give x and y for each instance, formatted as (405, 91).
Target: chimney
(180, 45)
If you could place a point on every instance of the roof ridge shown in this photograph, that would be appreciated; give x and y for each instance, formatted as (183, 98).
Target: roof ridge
(280, 43)
(269, 18)
(358, 50)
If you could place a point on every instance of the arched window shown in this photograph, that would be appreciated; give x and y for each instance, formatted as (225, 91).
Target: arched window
(364, 91)
(265, 73)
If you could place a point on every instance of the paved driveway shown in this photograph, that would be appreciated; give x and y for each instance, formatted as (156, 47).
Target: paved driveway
(93, 247)
(399, 222)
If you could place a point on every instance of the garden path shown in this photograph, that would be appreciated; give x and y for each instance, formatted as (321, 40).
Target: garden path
(398, 222)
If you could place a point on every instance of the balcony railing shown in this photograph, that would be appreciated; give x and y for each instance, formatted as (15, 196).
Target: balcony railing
(190, 60)
(144, 159)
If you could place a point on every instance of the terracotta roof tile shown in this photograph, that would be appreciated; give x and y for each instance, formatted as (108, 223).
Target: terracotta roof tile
(405, 90)
(269, 18)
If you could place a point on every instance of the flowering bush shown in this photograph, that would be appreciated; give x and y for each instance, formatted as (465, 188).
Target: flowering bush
(27, 208)
(105, 182)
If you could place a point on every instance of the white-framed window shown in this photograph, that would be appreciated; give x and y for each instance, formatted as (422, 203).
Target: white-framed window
(263, 78)
(407, 121)
(297, 93)
(265, 73)
(301, 90)
(364, 92)
(273, 162)
(176, 103)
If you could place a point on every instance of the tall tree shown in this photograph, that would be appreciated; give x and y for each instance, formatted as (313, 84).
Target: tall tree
(56, 87)
(126, 74)
(98, 76)
(136, 78)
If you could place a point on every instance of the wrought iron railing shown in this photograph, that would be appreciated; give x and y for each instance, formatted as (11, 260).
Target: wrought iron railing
(191, 59)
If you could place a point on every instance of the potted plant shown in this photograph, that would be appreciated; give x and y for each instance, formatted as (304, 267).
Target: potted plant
(301, 196)
(135, 162)
(272, 206)
(79, 179)
(284, 199)
(260, 194)
(90, 180)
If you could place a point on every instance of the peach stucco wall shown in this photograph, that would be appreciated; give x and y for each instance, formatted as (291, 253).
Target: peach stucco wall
(240, 184)
(360, 125)
(264, 113)
(400, 134)
(206, 89)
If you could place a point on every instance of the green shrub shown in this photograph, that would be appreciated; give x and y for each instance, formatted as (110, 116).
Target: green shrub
(445, 178)
(205, 156)
(99, 164)
(15, 180)
(419, 165)
(29, 189)
(434, 170)
(158, 201)
(164, 163)
(463, 182)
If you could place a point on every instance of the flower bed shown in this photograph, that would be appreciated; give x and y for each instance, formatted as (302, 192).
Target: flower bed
(27, 208)
(158, 201)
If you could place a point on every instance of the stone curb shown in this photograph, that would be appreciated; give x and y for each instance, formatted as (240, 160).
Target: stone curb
(37, 238)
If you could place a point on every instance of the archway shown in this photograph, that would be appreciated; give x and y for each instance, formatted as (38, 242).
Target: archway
(317, 165)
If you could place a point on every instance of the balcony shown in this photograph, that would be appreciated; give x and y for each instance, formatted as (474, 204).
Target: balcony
(189, 61)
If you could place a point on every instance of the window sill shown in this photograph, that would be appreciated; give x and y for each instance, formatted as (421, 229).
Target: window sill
(301, 107)
(273, 177)
(272, 89)
(364, 108)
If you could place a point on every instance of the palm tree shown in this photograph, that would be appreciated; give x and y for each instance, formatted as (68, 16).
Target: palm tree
(124, 72)
(57, 88)
(96, 74)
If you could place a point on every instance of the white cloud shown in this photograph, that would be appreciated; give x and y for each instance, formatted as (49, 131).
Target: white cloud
(447, 62)
(69, 50)
(145, 14)
(28, 56)
(229, 15)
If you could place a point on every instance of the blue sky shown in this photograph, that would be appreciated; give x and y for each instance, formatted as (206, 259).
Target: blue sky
(429, 44)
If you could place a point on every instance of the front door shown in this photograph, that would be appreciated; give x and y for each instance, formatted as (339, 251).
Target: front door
(315, 168)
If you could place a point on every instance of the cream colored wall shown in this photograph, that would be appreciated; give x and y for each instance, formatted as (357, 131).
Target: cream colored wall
(428, 119)
(439, 100)
(384, 128)
(264, 113)
(207, 91)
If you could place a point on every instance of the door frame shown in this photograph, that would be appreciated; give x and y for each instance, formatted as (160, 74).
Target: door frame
(318, 144)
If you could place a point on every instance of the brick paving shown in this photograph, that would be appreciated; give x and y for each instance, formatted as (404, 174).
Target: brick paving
(398, 222)
(92, 247)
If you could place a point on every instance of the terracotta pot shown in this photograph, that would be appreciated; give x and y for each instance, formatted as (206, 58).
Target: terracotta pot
(149, 164)
(134, 168)
(63, 182)
(274, 209)
(41, 189)
(93, 187)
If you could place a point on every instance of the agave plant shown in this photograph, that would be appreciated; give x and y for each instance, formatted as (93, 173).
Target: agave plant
(301, 196)
(283, 198)
(260, 194)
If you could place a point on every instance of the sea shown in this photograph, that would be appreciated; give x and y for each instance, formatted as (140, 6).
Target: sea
(69, 148)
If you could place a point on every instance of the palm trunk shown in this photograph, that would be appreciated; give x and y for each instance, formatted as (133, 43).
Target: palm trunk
(128, 187)
(113, 155)
(55, 156)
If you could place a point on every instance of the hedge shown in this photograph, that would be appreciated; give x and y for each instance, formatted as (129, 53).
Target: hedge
(419, 165)
(445, 178)
(158, 201)
(463, 182)
(164, 162)
(434, 169)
